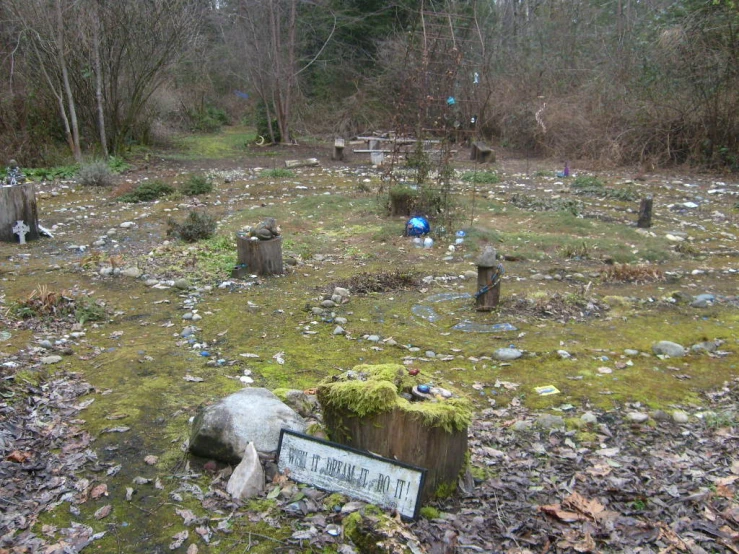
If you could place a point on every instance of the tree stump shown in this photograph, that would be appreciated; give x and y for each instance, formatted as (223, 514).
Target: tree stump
(489, 274)
(263, 257)
(18, 203)
(482, 153)
(645, 213)
(370, 415)
(338, 150)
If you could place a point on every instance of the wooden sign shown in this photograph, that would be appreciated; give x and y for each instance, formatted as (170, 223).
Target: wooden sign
(361, 475)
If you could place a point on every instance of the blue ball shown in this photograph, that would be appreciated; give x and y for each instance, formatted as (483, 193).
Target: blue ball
(417, 226)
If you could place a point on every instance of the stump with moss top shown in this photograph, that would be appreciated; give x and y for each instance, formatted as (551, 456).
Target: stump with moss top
(365, 409)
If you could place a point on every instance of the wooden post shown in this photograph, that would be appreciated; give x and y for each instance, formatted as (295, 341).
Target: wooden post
(262, 257)
(645, 213)
(338, 150)
(489, 274)
(18, 203)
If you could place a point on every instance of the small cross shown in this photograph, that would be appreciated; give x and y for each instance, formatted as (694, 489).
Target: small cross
(21, 229)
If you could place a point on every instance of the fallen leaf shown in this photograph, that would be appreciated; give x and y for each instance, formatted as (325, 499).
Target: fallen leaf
(18, 457)
(563, 515)
(100, 490)
(151, 460)
(103, 512)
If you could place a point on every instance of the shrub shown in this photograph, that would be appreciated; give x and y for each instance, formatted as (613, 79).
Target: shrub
(96, 174)
(277, 173)
(586, 182)
(117, 165)
(146, 192)
(481, 177)
(197, 184)
(197, 226)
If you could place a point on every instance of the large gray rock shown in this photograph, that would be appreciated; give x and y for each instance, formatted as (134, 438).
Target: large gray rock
(223, 430)
(667, 348)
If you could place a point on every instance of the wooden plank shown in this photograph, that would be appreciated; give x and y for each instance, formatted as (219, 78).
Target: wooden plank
(308, 162)
(362, 475)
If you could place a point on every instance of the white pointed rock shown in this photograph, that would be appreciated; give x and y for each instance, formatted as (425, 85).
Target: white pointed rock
(247, 480)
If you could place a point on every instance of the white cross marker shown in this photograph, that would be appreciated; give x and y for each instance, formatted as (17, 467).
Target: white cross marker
(21, 229)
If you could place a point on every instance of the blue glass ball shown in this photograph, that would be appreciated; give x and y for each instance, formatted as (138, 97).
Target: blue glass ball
(417, 226)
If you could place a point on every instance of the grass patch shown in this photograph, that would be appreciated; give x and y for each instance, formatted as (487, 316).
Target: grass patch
(586, 182)
(196, 185)
(226, 143)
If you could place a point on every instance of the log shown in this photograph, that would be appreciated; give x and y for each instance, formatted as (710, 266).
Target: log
(645, 213)
(482, 153)
(338, 150)
(262, 257)
(18, 203)
(308, 162)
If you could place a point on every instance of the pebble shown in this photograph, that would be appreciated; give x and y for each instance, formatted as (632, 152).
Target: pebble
(549, 421)
(660, 415)
(564, 354)
(589, 418)
(127, 225)
(339, 330)
(187, 316)
(637, 417)
(708, 346)
(328, 304)
(45, 344)
(678, 416)
(134, 272)
(151, 282)
(373, 338)
(667, 348)
(48, 360)
(703, 301)
(631, 352)
(507, 354)
(522, 425)
(182, 284)
(340, 320)
(430, 354)
(197, 317)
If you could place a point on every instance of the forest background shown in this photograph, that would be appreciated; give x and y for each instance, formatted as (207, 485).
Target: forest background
(618, 82)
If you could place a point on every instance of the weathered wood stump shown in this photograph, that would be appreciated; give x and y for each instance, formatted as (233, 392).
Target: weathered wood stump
(489, 274)
(18, 203)
(308, 162)
(338, 150)
(262, 257)
(482, 153)
(645, 213)
(371, 415)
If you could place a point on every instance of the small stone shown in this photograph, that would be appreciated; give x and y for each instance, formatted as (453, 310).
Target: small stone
(127, 225)
(182, 284)
(589, 418)
(637, 417)
(339, 330)
(707, 346)
(391, 342)
(538, 277)
(507, 354)
(631, 352)
(703, 301)
(151, 282)
(678, 416)
(328, 304)
(340, 320)
(430, 354)
(316, 311)
(187, 316)
(48, 360)
(105, 271)
(133, 272)
(45, 344)
(522, 425)
(549, 421)
(667, 348)
(339, 291)
(564, 354)
(197, 317)
(373, 338)
(660, 415)
(469, 275)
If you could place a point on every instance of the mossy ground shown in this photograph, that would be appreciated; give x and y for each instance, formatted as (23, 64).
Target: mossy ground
(337, 231)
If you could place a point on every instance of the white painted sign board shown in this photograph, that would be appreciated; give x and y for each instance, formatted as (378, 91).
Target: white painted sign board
(334, 467)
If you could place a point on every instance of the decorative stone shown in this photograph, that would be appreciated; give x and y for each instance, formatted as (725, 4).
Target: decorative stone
(487, 258)
(667, 348)
(21, 229)
(223, 430)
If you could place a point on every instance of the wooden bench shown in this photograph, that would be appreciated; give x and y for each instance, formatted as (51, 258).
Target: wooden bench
(482, 153)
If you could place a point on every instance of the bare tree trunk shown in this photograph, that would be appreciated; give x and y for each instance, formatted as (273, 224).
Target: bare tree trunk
(99, 81)
(76, 151)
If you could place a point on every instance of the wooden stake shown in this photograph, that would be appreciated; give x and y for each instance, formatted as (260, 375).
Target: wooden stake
(645, 213)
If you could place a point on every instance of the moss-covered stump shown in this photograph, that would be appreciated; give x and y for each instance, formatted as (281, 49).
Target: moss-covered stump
(364, 409)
